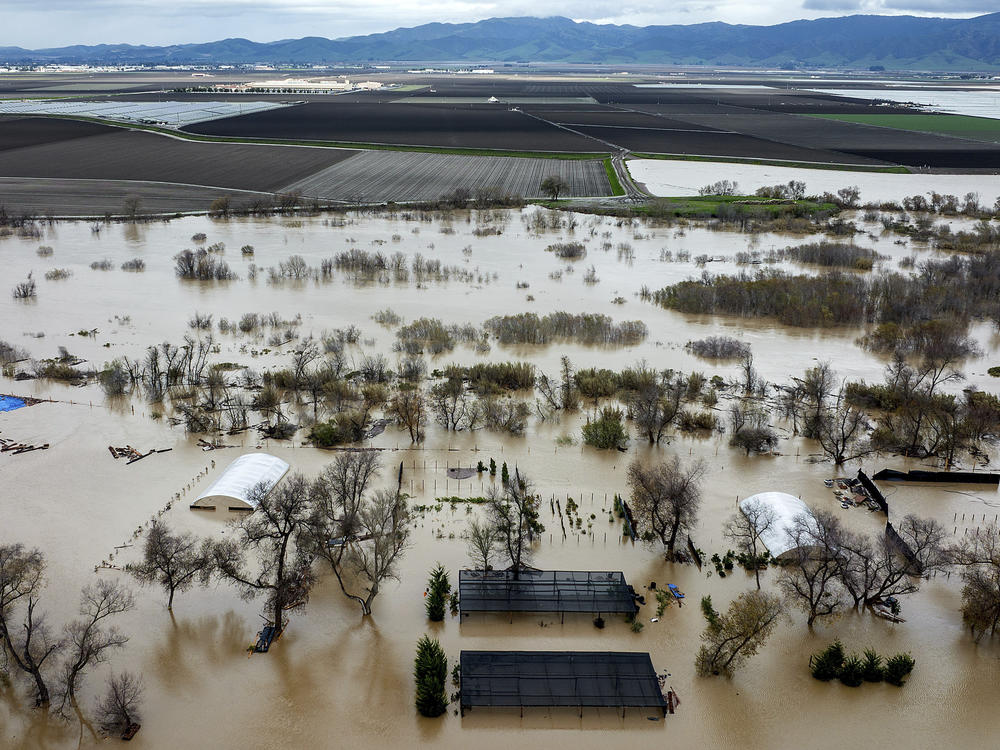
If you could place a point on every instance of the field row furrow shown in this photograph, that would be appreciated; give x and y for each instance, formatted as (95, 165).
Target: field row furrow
(390, 175)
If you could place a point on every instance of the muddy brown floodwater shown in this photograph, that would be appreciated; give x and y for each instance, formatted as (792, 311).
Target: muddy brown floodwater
(336, 679)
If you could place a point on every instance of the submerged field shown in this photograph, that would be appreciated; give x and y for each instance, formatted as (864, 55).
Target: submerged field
(334, 673)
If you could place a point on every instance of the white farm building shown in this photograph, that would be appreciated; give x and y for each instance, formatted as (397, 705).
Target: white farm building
(232, 489)
(786, 508)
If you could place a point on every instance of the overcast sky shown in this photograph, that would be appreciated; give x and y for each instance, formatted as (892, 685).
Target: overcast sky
(50, 23)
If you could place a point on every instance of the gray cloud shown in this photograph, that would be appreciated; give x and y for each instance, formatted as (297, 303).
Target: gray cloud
(846, 5)
(949, 7)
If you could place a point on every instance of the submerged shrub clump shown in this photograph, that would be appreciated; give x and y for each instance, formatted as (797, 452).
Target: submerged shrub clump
(719, 347)
(584, 328)
(202, 266)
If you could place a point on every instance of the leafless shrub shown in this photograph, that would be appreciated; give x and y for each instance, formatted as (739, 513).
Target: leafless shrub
(135, 265)
(25, 289)
(387, 318)
(201, 322)
(200, 265)
(584, 328)
(719, 347)
(568, 250)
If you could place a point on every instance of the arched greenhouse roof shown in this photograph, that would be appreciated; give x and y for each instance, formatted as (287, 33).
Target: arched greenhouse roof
(232, 489)
(778, 538)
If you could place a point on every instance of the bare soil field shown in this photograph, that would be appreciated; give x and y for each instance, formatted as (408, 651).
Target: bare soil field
(487, 127)
(899, 146)
(134, 155)
(619, 118)
(19, 132)
(58, 197)
(715, 144)
(397, 175)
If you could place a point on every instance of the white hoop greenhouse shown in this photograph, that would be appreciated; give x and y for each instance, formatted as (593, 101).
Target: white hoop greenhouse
(232, 489)
(786, 508)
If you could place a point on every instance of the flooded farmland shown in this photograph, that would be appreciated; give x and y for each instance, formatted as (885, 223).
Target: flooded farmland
(336, 678)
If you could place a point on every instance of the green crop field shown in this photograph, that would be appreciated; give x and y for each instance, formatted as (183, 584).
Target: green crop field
(963, 126)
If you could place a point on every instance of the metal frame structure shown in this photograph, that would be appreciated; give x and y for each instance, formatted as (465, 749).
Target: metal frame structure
(580, 679)
(594, 592)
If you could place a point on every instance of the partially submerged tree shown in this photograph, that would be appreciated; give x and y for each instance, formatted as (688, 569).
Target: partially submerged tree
(745, 529)
(362, 536)
(979, 556)
(811, 578)
(483, 543)
(27, 641)
(816, 385)
(607, 430)
(174, 561)
(87, 639)
(666, 498)
(872, 570)
(653, 402)
(282, 572)
(732, 638)
(119, 708)
(407, 406)
(513, 512)
(438, 590)
(430, 670)
(750, 428)
(842, 432)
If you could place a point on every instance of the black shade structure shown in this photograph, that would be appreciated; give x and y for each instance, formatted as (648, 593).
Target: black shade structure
(615, 679)
(596, 592)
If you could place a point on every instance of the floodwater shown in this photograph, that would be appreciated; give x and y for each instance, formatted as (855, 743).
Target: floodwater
(976, 101)
(676, 178)
(335, 679)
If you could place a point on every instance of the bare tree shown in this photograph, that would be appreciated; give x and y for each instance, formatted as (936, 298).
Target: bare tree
(362, 536)
(750, 428)
(873, 570)
(408, 407)
(303, 356)
(28, 643)
(283, 568)
(811, 579)
(452, 407)
(979, 556)
(119, 708)
(173, 561)
(87, 639)
(483, 543)
(816, 386)
(730, 639)
(842, 432)
(666, 499)
(745, 529)
(654, 402)
(751, 379)
(513, 512)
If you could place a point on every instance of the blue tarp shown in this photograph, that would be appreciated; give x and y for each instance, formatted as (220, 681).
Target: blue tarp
(9, 403)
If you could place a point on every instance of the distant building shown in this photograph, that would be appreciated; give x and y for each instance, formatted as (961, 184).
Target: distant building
(298, 86)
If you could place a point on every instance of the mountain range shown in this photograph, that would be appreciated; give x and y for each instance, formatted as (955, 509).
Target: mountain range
(859, 41)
